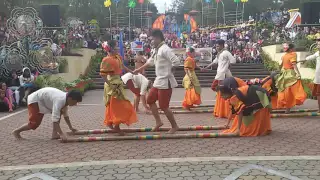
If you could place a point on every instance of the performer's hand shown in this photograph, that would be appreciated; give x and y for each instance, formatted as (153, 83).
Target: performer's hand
(63, 137)
(135, 72)
(299, 76)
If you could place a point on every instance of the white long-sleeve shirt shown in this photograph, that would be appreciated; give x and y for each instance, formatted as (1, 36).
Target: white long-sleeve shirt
(317, 73)
(50, 100)
(163, 61)
(139, 81)
(224, 59)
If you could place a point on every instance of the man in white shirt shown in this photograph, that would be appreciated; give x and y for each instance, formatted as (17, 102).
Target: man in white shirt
(163, 59)
(224, 35)
(224, 59)
(49, 100)
(139, 86)
(316, 81)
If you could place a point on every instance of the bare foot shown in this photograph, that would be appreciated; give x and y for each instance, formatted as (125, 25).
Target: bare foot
(287, 111)
(119, 131)
(111, 126)
(157, 127)
(55, 137)
(17, 135)
(173, 130)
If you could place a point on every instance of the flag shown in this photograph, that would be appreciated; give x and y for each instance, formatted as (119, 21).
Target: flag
(121, 51)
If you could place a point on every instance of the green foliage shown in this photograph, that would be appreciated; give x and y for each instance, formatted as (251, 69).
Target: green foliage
(311, 64)
(47, 81)
(269, 63)
(63, 63)
(94, 62)
(303, 44)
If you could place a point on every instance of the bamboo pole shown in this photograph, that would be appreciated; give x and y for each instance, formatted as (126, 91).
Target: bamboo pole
(310, 114)
(149, 137)
(146, 129)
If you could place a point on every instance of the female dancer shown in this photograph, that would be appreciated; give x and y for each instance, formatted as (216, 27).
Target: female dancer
(190, 81)
(290, 89)
(115, 101)
(250, 107)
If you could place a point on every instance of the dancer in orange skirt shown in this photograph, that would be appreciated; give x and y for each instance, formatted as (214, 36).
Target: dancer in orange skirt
(250, 107)
(190, 81)
(114, 98)
(268, 83)
(290, 89)
(316, 81)
(224, 59)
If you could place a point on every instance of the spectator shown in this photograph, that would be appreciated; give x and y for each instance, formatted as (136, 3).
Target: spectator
(8, 95)
(14, 85)
(27, 83)
(4, 102)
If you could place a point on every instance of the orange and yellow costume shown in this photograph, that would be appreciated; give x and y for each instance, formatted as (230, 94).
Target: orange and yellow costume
(191, 84)
(290, 89)
(114, 98)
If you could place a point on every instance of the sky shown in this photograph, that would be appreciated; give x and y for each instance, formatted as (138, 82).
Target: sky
(161, 4)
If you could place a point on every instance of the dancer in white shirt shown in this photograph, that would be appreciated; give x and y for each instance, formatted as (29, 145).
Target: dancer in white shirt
(163, 59)
(224, 59)
(49, 100)
(139, 86)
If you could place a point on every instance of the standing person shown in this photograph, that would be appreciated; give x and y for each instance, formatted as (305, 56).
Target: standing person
(290, 89)
(139, 61)
(49, 100)
(250, 108)
(316, 81)
(114, 96)
(224, 58)
(139, 86)
(190, 81)
(163, 59)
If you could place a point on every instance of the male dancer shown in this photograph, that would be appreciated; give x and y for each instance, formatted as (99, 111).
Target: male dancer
(49, 100)
(139, 86)
(163, 59)
(224, 59)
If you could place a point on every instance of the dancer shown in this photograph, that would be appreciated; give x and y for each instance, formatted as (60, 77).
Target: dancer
(139, 86)
(49, 100)
(250, 108)
(316, 81)
(164, 59)
(290, 89)
(114, 98)
(224, 59)
(268, 83)
(190, 81)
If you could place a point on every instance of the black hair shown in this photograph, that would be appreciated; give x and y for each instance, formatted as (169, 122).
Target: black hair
(220, 42)
(112, 44)
(158, 34)
(291, 46)
(75, 95)
(26, 73)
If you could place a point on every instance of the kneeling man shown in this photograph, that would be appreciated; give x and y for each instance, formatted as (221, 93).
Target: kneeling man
(49, 100)
(139, 85)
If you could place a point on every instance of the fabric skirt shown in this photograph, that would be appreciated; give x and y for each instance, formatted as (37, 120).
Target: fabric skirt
(114, 114)
(292, 96)
(260, 126)
(191, 98)
(274, 101)
(222, 107)
(316, 90)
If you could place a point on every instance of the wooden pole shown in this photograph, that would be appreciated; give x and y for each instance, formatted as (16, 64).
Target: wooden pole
(131, 130)
(149, 137)
(310, 114)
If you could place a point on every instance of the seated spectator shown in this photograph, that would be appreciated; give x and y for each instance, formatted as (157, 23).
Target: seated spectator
(8, 94)
(26, 83)
(4, 102)
(14, 85)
